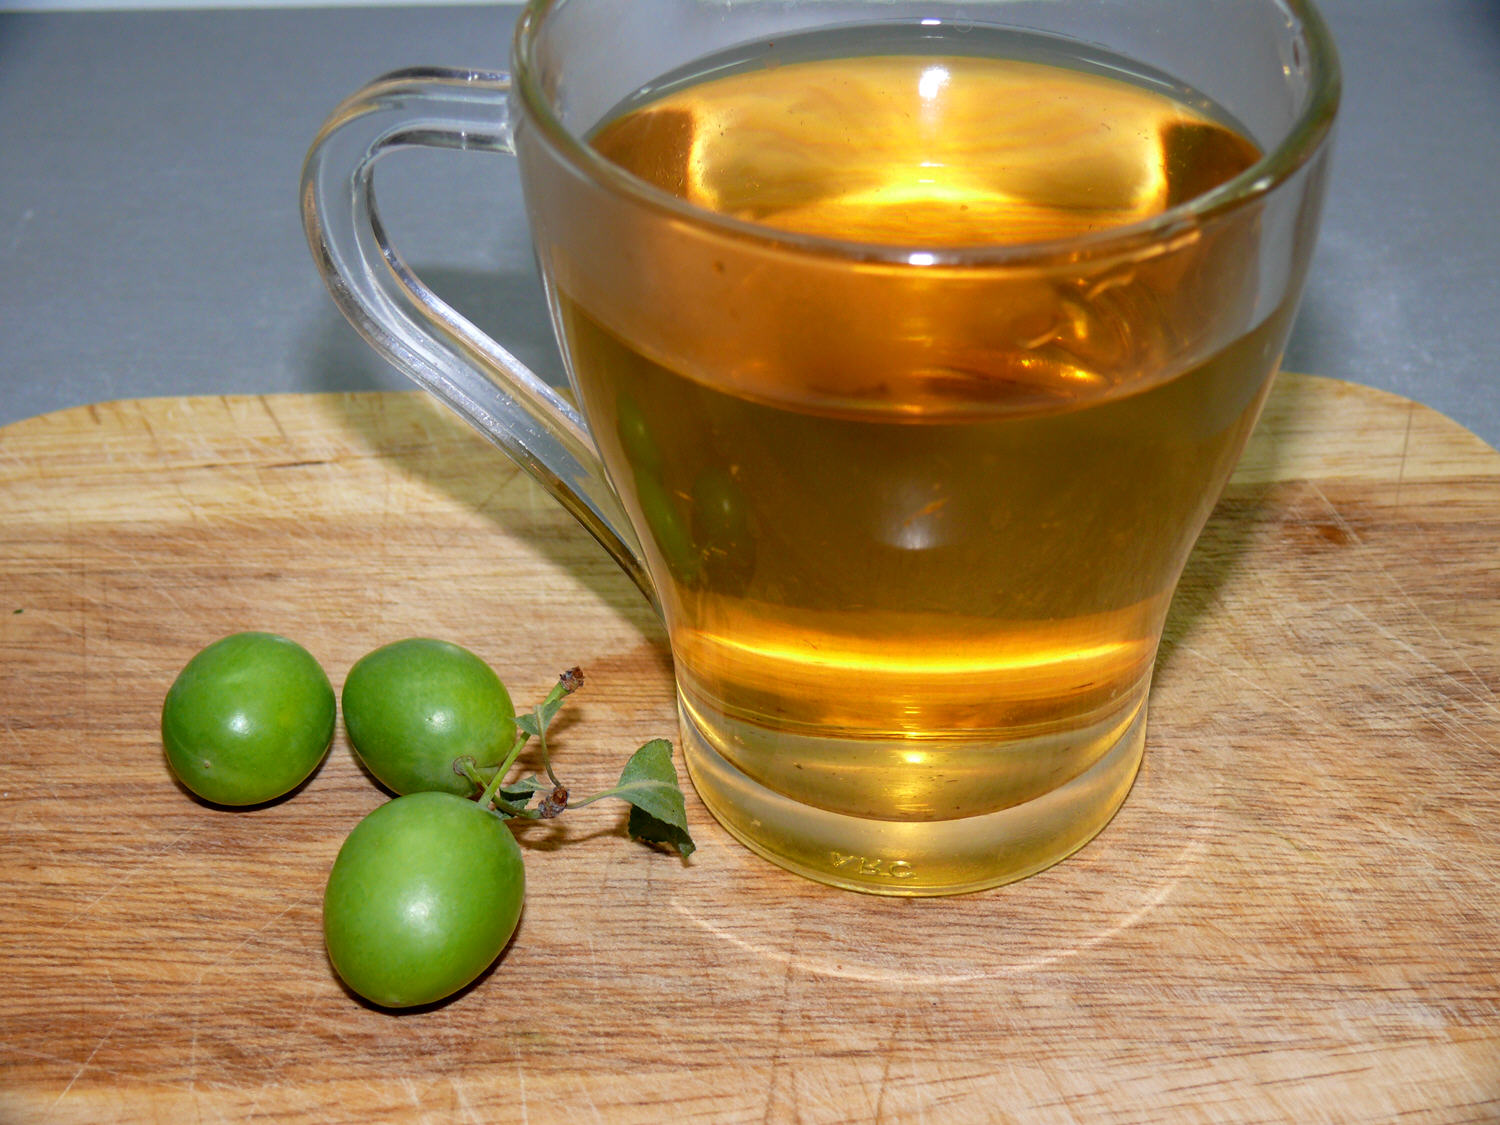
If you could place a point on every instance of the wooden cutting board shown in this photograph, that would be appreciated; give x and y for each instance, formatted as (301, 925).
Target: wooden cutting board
(1294, 919)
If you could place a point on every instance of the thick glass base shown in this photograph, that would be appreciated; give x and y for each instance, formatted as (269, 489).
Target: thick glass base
(930, 857)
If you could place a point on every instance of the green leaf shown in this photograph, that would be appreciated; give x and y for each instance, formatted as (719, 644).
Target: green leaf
(536, 721)
(645, 827)
(546, 711)
(521, 790)
(658, 814)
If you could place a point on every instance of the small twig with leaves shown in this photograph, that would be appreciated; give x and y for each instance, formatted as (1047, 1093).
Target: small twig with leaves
(658, 813)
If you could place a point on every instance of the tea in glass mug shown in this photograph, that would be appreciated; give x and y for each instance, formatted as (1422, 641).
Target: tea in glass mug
(912, 345)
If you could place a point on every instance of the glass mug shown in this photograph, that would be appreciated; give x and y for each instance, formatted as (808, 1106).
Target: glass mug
(911, 345)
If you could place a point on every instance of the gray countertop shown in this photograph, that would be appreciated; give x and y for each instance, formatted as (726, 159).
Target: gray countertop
(150, 242)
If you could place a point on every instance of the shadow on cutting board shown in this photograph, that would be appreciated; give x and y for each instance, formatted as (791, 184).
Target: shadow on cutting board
(341, 362)
(1238, 520)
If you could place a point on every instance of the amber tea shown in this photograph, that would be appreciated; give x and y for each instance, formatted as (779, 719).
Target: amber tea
(922, 534)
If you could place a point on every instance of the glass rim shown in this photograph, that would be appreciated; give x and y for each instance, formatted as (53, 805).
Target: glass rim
(1305, 136)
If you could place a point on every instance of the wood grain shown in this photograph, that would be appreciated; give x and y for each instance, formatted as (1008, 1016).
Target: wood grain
(1293, 919)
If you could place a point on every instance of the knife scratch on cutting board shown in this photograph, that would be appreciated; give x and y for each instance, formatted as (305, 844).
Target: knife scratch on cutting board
(1408, 601)
(121, 881)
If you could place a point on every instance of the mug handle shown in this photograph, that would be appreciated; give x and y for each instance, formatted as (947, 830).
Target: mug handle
(410, 325)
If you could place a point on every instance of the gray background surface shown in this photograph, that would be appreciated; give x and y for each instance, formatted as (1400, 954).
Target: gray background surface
(150, 242)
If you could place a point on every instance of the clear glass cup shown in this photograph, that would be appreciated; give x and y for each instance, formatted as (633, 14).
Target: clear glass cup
(909, 344)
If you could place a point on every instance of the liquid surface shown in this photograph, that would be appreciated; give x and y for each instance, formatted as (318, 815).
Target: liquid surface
(926, 150)
(915, 527)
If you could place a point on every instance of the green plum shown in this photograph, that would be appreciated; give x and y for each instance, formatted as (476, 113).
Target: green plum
(248, 719)
(412, 707)
(723, 530)
(425, 893)
(635, 436)
(668, 529)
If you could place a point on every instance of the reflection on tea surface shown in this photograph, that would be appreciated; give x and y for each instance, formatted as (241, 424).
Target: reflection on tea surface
(926, 150)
